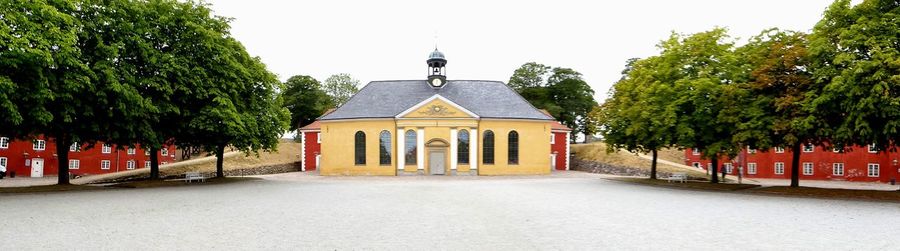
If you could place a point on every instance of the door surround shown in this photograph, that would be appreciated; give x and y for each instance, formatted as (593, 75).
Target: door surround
(437, 145)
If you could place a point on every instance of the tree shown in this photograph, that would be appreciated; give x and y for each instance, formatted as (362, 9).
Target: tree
(529, 75)
(854, 54)
(779, 84)
(304, 98)
(702, 69)
(636, 117)
(340, 87)
(573, 96)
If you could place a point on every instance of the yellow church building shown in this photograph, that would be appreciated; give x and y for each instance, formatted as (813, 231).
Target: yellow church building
(434, 127)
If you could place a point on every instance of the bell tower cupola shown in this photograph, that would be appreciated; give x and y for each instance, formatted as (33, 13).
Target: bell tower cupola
(437, 73)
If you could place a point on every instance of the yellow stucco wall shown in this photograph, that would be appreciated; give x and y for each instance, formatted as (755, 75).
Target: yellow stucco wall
(338, 147)
(534, 147)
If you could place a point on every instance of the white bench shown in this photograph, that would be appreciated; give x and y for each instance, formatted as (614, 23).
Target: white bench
(192, 176)
(679, 177)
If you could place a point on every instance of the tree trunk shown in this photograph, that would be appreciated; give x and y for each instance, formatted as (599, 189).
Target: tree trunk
(714, 169)
(724, 172)
(220, 157)
(154, 163)
(62, 156)
(653, 165)
(795, 165)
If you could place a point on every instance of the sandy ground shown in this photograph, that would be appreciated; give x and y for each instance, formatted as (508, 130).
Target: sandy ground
(569, 211)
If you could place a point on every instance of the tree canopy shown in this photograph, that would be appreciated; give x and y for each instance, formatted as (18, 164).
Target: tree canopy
(340, 87)
(305, 99)
(560, 91)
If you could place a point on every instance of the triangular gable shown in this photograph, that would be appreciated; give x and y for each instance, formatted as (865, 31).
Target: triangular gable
(437, 107)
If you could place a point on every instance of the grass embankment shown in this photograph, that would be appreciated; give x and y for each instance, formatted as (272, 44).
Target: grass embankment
(597, 151)
(288, 153)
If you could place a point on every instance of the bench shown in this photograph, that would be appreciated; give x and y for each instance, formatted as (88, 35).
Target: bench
(192, 176)
(679, 177)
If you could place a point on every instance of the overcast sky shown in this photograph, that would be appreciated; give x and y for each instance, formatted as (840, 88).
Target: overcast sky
(487, 40)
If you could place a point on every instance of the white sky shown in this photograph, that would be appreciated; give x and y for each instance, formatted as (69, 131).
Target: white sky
(487, 40)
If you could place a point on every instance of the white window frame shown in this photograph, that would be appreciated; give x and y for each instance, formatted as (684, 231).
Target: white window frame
(695, 151)
(836, 150)
(146, 164)
(779, 149)
(779, 168)
(73, 147)
(146, 151)
(3, 162)
(872, 148)
(106, 148)
(130, 165)
(4, 142)
(164, 151)
(877, 169)
(552, 138)
(810, 167)
(74, 164)
(319, 137)
(751, 168)
(837, 166)
(105, 164)
(39, 145)
(811, 147)
(130, 151)
(728, 167)
(750, 150)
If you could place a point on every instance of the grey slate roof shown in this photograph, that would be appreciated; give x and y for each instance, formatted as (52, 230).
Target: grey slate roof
(387, 99)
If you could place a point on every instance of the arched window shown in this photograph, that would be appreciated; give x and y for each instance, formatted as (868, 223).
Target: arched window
(513, 149)
(410, 147)
(462, 148)
(359, 154)
(384, 148)
(488, 145)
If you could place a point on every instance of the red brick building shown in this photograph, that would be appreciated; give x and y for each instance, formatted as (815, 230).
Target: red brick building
(865, 164)
(38, 158)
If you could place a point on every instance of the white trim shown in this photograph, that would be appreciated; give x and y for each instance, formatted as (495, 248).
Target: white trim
(105, 163)
(813, 149)
(318, 137)
(870, 147)
(354, 119)
(401, 148)
(811, 166)
(432, 98)
(779, 149)
(302, 151)
(775, 167)
(4, 142)
(695, 151)
(106, 148)
(309, 130)
(74, 164)
(752, 168)
(834, 168)
(146, 164)
(130, 165)
(552, 138)
(567, 151)
(473, 148)
(3, 163)
(420, 148)
(130, 151)
(453, 148)
(877, 172)
(39, 145)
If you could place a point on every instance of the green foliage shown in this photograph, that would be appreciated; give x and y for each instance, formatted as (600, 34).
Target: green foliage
(560, 91)
(855, 54)
(529, 75)
(304, 98)
(340, 87)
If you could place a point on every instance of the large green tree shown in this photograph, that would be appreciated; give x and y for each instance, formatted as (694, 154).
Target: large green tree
(779, 83)
(304, 98)
(529, 75)
(637, 116)
(855, 57)
(340, 87)
(560, 91)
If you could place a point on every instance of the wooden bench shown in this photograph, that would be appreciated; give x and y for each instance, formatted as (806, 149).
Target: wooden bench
(679, 177)
(192, 176)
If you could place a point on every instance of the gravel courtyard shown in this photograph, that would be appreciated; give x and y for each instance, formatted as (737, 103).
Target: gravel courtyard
(570, 211)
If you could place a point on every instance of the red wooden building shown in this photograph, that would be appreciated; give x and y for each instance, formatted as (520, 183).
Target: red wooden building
(559, 146)
(38, 158)
(866, 164)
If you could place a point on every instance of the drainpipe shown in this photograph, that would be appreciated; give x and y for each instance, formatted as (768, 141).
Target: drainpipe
(117, 159)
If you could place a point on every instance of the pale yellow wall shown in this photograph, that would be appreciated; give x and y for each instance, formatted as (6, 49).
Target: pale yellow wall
(446, 111)
(338, 139)
(534, 147)
(338, 148)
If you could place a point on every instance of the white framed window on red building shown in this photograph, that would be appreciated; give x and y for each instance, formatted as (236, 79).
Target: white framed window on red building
(147, 164)
(729, 167)
(104, 164)
(874, 170)
(107, 148)
(4, 142)
(552, 139)
(318, 137)
(74, 164)
(130, 164)
(130, 151)
(872, 148)
(73, 147)
(40, 145)
(164, 151)
(808, 148)
(3, 161)
(751, 168)
(779, 149)
(751, 150)
(807, 168)
(837, 169)
(695, 151)
(779, 167)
